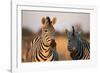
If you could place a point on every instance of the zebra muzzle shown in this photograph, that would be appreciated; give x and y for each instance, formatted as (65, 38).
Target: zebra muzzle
(70, 49)
(53, 43)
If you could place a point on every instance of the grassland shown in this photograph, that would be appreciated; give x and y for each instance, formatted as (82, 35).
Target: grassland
(62, 50)
(61, 47)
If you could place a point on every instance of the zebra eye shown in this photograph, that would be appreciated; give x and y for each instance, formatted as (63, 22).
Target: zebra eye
(45, 30)
(68, 40)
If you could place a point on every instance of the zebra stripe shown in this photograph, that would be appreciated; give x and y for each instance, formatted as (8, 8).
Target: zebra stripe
(83, 52)
(42, 51)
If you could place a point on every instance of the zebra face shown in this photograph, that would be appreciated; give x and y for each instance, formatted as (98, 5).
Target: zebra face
(73, 40)
(48, 31)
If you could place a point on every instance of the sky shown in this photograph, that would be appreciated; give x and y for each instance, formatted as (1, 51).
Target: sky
(32, 20)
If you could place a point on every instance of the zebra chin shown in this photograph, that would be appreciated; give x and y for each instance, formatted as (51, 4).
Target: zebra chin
(70, 49)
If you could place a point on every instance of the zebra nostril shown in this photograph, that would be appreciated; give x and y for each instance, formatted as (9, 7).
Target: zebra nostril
(52, 40)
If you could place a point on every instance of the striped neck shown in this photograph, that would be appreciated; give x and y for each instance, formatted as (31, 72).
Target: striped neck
(45, 45)
(45, 48)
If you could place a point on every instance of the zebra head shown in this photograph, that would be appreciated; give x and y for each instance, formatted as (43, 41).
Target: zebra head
(74, 40)
(48, 31)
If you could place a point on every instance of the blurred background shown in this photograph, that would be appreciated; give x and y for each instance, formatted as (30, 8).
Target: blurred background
(31, 25)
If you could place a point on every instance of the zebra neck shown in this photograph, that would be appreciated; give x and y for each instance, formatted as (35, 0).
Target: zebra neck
(45, 48)
(45, 44)
(45, 51)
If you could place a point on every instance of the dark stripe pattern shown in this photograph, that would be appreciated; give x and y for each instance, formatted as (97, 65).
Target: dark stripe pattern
(43, 52)
(78, 47)
(43, 44)
(82, 51)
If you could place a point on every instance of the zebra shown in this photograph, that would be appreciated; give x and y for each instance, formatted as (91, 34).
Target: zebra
(78, 47)
(44, 45)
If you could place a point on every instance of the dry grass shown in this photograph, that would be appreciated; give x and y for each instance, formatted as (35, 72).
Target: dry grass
(62, 48)
(25, 47)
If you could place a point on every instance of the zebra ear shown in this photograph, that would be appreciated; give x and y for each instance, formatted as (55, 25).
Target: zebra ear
(67, 32)
(73, 32)
(54, 20)
(43, 20)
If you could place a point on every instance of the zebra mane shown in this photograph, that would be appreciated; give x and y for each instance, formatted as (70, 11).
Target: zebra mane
(48, 18)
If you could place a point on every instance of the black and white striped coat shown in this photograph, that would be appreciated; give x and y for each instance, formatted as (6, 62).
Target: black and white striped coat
(44, 45)
(79, 48)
